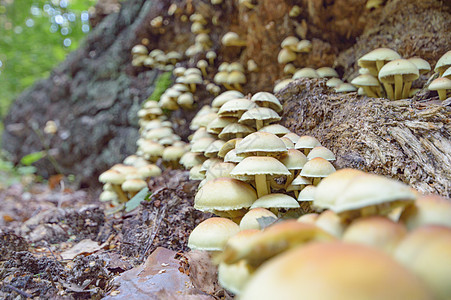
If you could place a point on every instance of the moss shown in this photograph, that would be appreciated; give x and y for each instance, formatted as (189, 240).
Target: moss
(164, 81)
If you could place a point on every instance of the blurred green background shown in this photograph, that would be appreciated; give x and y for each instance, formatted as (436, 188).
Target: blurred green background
(35, 35)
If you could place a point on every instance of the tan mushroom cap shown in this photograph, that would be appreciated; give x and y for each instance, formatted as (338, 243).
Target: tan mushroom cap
(250, 219)
(334, 270)
(235, 66)
(229, 145)
(208, 164)
(365, 80)
(149, 170)
(285, 56)
(151, 148)
(398, 67)
(186, 100)
(289, 69)
(281, 85)
(331, 223)
(212, 234)
(219, 123)
(305, 73)
(201, 133)
(447, 73)
(321, 151)
(191, 159)
(427, 210)
(112, 176)
(266, 99)
(300, 180)
(288, 143)
(195, 174)
(293, 159)
(235, 107)
(257, 165)
(441, 85)
(375, 231)
(107, 196)
(221, 77)
(139, 50)
(158, 133)
(443, 63)
(290, 42)
(293, 137)
(224, 194)
(307, 193)
(381, 55)
(426, 251)
(345, 88)
(201, 144)
(133, 185)
(235, 130)
(236, 78)
(327, 72)
(422, 65)
(259, 116)
(358, 191)
(304, 46)
(334, 82)
(232, 157)
(261, 143)
(232, 39)
(234, 277)
(173, 153)
(224, 97)
(213, 149)
(276, 200)
(308, 218)
(205, 119)
(221, 169)
(307, 142)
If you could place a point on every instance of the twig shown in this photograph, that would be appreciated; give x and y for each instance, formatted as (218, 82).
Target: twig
(20, 292)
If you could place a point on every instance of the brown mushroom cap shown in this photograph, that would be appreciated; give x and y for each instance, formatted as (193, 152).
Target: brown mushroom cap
(334, 270)
(212, 234)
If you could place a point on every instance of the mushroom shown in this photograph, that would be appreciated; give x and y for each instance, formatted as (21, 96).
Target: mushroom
(233, 277)
(213, 149)
(219, 170)
(252, 66)
(133, 186)
(285, 56)
(202, 65)
(172, 154)
(376, 59)
(447, 73)
(427, 210)
(232, 39)
(369, 83)
(261, 144)
(235, 107)
(276, 129)
(317, 168)
(212, 234)
(293, 137)
(298, 184)
(191, 159)
(304, 46)
(306, 143)
(235, 130)
(221, 78)
(334, 82)
(289, 69)
(192, 80)
(294, 11)
(290, 43)
(211, 56)
(236, 79)
(294, 160)
(186, 100)
(321, 151)
(204, 40)
(250, 219)
(441, 85)
(115, 178)
(327, 72)
(228, 146)
(266, 99)
(400, 73)
(281, 85)
(259, 117)
(443, 63)
(422, 65)
(305, 73)
(345, 88)
(275, 202)
(195, 173)
(331, 223)
(258, 168)
(232, 157)
(173, 57)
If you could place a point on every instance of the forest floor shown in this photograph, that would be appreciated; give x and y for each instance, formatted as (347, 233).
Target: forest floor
(56, 242)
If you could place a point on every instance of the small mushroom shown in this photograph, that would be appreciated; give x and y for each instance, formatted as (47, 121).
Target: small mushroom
(400, 73)
(443, 63)
(232, 39)
(202, 65)
(441, 85)
(211, 56)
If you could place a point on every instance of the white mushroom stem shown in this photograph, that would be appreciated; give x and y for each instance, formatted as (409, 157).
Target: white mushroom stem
(258, 124)
(441, 94)
(260, 183)
(369, 92)
(398, 86)
(406, 89)
(389, 91)
(120, 193)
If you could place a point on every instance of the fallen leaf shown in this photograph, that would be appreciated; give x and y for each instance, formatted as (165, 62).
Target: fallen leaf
(85, 246)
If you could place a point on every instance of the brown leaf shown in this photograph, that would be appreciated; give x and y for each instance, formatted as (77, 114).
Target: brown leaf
(85, 246)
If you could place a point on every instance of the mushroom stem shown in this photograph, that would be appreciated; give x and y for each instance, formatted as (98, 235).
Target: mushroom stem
(239, 43)
(398, 86)
(228, 86)
(239, 135)
(260, 183)
(306, 151)
(316, 180)
(379, 65)
(133, 194)
(211, 61)
(258, 124)
(441, 94)
(120, 193)
(237, 87)
(204, 72)
(389, 91)
(369, 92)
(376, 90)
(192, 87)
(406, 89)
(296, 194)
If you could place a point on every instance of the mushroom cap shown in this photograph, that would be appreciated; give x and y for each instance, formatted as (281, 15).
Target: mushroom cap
(149, 170)
(306, 142)
(422, 65)
(345, 88)
(281, 85)
(334, 82)
(221, 77)
(236, 77)
(219, 123)
(158, 133)
(230, 39)
(402, 67)
(193, 78)
(212, 234)
(173, 153)
(427, 210)
(224, 97)
(276, 200)
(179, 71)
(321, 151)
(233, 277)
(375, 231)
(305, 73)
(365, 80)
(174, 55)
(326, 72)
(201, 144)
(151, 148)
(185, 99)
(224, 194)
(235, 107)
(221, 169)
(191, 159)
(351, 190)
(259, 165)
(426, 251)
(265, 114)
(250, 219)
(265, 142)
(292, 136)
(333, 270)
(235, 66)
(112, 176)
(290, 42)
(201, 133)
(288, 143)
(308, 218)
(300, 180)
(276, 129)
(331, 223)
(447, 73)
(285, 56)
(289, 69)
(379, 54)
(231, 131)
(229, 145)
(133, 185)
(213, 149)
(441, 83)
(265, 98)
(232, 157)
(293, 159)
(307, 193)
(210, 54)
(139, 50)
(106, 196)
(443, 63)
(304, 46)
(208, 164)
(195, 174)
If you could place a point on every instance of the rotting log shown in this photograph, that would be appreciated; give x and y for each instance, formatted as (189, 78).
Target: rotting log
(407, 139)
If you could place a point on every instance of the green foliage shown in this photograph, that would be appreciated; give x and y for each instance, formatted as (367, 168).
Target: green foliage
(27, 160)
(35, 35)
(164, 81)
(23, 172)
(137, 199)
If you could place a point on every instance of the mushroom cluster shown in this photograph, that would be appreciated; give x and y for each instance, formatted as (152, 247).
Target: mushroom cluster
(231, 76)
(155, 59)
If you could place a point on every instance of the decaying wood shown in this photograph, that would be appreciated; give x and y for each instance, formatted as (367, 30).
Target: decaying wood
(407, 139)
